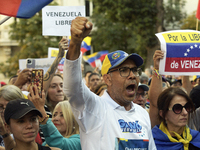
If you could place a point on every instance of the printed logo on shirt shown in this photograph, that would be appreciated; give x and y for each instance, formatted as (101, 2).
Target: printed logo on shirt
(131, 127)
(131, 144)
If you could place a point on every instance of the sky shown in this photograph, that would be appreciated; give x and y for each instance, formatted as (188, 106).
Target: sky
(190, 6)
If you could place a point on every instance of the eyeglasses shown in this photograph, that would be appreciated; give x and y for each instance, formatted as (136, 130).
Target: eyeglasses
(125, 71)
(177, 108)
(143, 94)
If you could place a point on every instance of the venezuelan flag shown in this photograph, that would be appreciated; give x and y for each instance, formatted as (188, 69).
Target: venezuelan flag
(22, 8)
(85, 45)
(98, 55)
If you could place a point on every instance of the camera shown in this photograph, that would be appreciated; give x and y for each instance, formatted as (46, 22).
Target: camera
(29, 61)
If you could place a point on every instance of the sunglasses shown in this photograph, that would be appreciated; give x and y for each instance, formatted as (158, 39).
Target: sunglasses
(177, 108)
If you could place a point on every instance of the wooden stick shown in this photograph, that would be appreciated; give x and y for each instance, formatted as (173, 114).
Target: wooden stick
(197, 24)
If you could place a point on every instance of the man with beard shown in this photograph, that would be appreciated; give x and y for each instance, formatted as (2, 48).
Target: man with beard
(94, 81)
(111, 121)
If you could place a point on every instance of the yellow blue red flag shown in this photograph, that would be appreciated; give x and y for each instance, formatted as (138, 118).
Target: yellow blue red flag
(97, 55)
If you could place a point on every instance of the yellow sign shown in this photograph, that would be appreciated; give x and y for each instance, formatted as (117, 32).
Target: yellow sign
(182, 37)
(54, 53)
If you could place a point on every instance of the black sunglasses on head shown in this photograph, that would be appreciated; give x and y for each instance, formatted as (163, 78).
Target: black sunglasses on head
(177, 108)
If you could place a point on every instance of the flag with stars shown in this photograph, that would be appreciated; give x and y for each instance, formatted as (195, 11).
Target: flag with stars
(182, 52)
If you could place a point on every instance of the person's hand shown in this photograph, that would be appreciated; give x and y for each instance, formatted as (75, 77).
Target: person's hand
(156, 58)
(18, 71)
(63, 45)
(35, 98)
(23, 77)
(80, 28)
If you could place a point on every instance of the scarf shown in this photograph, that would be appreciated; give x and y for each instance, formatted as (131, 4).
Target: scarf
(187, 137)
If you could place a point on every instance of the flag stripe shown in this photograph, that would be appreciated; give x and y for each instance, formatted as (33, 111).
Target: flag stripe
(83, 50)
(22, 8)
(198, 11)
(9, 7)
(183, 64)
(183, 50)
(28, 8)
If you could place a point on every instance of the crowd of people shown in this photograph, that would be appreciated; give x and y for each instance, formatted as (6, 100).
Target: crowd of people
(120, 107)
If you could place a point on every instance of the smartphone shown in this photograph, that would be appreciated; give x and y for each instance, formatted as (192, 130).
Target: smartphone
(30, 63)
(37, 79)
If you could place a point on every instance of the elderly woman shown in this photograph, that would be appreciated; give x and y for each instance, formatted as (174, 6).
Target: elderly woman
(174, 107)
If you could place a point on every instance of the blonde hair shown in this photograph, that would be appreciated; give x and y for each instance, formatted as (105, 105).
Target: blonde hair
(72, 125)
(48, 102)
(10, 92)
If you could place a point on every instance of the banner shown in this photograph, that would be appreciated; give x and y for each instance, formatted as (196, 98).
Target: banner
(56, 20)
(182, 52)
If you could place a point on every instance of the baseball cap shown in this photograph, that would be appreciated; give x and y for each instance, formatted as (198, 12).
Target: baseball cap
(143, 86)
(18, 108)
(116, 58)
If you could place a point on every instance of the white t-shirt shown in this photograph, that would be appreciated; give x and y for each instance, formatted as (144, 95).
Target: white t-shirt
(104, 124)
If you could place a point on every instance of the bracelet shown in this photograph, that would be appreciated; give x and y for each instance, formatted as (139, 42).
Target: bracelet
(42, 120)
(5, 135)
(156, 73)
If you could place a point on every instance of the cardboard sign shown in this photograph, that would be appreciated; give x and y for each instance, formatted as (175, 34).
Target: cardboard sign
(182, 52)
(56, 20)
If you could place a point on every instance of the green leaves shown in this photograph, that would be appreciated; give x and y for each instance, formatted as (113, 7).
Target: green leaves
(28, 32)
(130, 25)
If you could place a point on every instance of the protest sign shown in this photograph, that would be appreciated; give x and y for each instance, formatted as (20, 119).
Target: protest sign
(40, 63)
(52, 53)
(182, 52)
(56, 20)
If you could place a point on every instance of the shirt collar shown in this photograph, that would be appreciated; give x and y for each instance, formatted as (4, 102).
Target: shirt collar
(113, 104)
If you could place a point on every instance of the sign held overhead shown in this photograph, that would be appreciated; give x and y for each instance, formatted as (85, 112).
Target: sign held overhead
(56, 20)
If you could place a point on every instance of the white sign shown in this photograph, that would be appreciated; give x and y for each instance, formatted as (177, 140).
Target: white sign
(181, 52)
(98, 63)
(56, 20)
(40, 63)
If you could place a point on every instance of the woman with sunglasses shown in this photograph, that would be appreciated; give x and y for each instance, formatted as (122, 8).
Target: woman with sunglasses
(174, 107)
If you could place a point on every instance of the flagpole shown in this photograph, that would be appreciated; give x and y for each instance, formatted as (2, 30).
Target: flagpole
(4, 20)
(197, 24)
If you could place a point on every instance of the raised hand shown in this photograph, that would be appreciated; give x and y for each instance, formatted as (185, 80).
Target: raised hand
(80, 28)
(63, 45)
(23, 77)
(156, 58)
(36, 99)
